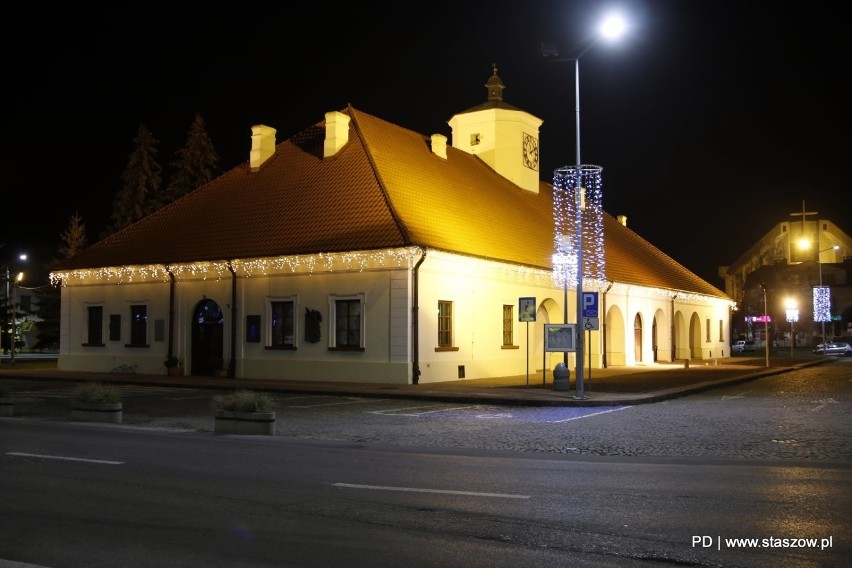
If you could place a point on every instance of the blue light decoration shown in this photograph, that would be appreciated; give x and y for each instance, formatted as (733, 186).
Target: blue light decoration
(566, 182)
(822, 303)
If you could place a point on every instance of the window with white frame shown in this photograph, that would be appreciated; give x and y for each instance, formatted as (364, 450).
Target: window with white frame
(281, 315)
(347, 322)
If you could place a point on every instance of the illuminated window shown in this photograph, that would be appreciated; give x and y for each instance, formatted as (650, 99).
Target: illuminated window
(138, 325)
(721, 330)
(445, 324)
(282, 323)
(508, 325)
(347, 322)
(95, 335)
(708, 330)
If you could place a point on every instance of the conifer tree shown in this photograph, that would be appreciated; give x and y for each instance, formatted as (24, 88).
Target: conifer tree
(47, 309)
(73, 240)
(197, 163)
(139, 196)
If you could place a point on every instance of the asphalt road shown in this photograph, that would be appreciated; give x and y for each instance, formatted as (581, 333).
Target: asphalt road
(355, 481)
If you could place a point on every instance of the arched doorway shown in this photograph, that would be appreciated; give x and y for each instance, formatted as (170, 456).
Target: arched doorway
(208, 324)
(637, 338)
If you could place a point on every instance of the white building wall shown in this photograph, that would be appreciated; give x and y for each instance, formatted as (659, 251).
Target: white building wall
(478, 289)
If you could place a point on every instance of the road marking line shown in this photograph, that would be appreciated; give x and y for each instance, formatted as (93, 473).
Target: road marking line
(587, 415)
(735, 395)
(327, 404)
(25, 455)
(823, 403)
(398, 411)
(419, 490)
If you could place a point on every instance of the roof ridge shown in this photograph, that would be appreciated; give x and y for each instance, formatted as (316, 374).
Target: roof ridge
(403, 228)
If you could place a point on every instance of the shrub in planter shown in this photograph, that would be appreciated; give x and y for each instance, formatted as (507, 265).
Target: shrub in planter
(174, 366)
(244, 412)
(97, 402)
(244, 401)
(97, 393)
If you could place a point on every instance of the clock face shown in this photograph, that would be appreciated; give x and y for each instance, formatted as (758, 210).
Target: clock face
(530, 152)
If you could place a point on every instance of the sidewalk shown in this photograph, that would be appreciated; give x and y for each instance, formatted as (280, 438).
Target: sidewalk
(601, 387)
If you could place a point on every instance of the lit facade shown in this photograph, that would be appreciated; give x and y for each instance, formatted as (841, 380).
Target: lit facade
(361, 251)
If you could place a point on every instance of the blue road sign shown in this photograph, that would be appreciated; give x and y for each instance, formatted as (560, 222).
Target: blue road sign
(590, 304)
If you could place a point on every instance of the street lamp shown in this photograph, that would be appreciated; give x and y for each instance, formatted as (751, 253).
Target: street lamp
(822, 295)
(10, 302)
(765, 326)
(822, 298)
(15, 281)
(792, 316)
(611, 28)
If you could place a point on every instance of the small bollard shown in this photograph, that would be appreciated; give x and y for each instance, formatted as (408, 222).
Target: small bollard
(686, 363)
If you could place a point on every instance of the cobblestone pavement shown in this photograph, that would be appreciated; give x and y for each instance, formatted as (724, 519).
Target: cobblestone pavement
(797, 415)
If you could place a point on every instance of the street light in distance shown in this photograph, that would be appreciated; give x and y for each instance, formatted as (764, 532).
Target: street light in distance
(792, 310)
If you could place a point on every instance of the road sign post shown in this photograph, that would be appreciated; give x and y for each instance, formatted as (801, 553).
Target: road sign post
(589, 311)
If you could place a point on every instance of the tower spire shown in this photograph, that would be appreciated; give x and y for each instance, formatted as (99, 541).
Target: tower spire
(495, 85)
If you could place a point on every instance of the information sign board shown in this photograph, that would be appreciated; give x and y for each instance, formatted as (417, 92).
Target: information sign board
(560, 337)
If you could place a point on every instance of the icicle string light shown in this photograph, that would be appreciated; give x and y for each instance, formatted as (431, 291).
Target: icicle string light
(357, 261)
(566, 182)
(215, 270)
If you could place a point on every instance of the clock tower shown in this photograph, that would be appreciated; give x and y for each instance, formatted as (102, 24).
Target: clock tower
(503, 136)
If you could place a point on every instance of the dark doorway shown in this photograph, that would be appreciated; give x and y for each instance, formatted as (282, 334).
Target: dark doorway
(208, 326)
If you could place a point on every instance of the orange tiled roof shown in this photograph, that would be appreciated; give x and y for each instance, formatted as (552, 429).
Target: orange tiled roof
(385, 188)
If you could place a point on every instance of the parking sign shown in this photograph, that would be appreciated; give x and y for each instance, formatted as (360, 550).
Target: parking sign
(590, 304)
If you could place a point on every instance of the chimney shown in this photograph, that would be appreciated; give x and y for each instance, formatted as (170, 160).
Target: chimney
(439, 145)
(262, 145)
(336, 133)
(622, 219)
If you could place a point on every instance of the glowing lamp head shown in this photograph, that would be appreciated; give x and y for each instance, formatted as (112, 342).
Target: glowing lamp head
(612, 27)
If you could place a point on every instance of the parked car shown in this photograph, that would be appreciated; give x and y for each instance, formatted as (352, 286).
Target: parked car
(743, 346)
(835, 348)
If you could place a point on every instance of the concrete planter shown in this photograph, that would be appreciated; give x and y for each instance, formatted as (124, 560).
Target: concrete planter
(232, 422)
(97, 412)
(7, 406)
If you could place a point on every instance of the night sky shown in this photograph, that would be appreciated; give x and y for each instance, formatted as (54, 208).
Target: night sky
(712, 120)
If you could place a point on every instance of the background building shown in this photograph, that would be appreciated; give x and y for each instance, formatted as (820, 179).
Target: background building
(787, 263)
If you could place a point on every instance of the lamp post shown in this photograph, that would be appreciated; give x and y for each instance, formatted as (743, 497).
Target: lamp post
(610, 28)
(765, 326)
(792, 316)
(822, 299)
(10, 305)
(18, 278)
